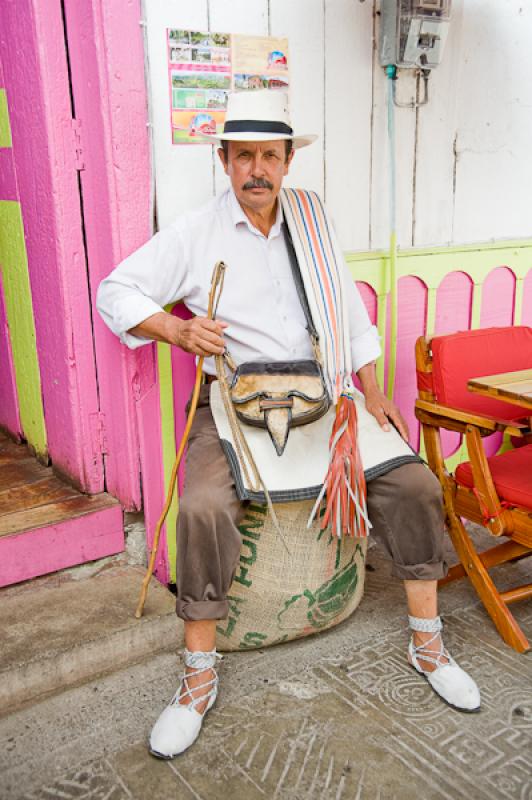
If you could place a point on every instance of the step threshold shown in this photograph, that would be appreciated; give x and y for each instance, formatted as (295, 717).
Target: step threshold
(55, 637)
(45, 523)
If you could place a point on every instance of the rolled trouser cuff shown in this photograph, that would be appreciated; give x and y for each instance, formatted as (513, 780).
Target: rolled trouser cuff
(202, 609)
(433, 571)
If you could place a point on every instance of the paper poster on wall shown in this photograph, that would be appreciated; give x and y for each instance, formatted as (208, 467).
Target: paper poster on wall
(199, 67)
(203, 67)
(259, 62)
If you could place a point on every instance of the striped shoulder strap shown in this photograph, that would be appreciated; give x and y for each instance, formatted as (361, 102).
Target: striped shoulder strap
(343, 494)
(321, 263)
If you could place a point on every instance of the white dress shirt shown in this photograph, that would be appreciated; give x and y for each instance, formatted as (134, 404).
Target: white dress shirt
(259, 299)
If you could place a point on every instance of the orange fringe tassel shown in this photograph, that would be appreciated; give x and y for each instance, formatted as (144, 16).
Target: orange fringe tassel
(344, 490)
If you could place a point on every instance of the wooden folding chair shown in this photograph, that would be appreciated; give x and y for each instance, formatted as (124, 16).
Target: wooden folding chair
(495, 492)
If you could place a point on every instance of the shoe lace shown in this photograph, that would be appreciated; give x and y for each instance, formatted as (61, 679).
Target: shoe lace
(432, 656)
(423, 651)
(197, 662)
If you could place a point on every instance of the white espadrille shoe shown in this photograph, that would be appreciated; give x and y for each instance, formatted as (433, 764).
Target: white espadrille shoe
(448, 680)
(179, 724)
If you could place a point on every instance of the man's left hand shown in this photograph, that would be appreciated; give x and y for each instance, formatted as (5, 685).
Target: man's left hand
(385, 411)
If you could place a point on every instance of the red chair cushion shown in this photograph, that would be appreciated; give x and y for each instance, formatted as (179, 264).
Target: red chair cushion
(512, 475)
(472, 354)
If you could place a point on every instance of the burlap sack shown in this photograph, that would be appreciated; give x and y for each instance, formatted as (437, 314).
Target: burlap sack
(277, 596)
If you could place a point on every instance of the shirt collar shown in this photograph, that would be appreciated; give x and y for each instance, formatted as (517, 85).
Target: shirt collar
(238, 217)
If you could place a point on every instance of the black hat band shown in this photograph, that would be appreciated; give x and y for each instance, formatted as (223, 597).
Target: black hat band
(257, 126)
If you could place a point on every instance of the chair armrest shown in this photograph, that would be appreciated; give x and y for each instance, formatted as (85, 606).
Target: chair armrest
(442, 413)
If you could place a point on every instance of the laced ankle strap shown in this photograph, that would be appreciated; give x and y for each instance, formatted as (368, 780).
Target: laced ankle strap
(200, 660)
(197, 662)
(440, 658)
(422, 625)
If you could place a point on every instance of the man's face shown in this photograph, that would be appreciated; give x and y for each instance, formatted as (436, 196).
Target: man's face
(256, 171)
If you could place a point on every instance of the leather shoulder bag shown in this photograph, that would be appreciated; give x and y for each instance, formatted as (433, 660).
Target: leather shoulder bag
(280, 395)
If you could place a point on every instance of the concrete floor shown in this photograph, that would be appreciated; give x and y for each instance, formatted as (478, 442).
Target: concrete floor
(336, 716)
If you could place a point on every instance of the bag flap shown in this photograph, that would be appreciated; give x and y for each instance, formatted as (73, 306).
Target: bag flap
(249, 387)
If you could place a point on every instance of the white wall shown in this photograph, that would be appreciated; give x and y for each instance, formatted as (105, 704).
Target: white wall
(464, 161)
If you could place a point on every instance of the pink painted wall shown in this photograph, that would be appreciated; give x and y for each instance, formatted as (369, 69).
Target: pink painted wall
(150, 437)
(107, 65)
(498, 291)
(38, 97)
(412, 302)
(370, 300)
(8, 177)
(8, 181)
(453, 303)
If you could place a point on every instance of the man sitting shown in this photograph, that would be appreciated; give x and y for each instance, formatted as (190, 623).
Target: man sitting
(263, 320)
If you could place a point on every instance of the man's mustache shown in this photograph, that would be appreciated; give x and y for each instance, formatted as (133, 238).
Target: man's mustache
(258, 183)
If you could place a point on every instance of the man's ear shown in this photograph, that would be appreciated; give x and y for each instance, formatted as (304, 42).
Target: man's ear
(221, 156)
(288, 161)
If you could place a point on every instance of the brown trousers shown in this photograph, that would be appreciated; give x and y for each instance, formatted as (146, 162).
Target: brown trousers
(405, 508)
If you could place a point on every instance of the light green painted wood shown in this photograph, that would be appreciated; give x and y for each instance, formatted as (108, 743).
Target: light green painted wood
(518, 302)
(431, 312)
(5, 127)
(381, 327)
(166, 396)
(476, 302)
(431, 266)
(19, 310)
(434, 264)
(392, 359)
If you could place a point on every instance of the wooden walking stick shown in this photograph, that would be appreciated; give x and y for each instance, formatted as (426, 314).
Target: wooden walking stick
(214, 298)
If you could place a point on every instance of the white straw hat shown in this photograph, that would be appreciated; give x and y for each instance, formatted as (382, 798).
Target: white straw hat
(259, 115)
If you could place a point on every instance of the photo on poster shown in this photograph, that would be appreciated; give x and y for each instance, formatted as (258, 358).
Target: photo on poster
(259, 55)
(199, 72)
(246, 82)
(203, 67)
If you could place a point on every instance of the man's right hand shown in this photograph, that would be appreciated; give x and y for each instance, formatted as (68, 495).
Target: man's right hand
(201, 336)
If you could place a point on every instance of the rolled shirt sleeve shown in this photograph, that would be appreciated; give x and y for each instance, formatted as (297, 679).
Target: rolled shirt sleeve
(365, 340)
(142, 284)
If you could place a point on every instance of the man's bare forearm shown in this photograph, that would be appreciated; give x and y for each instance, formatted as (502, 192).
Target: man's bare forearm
(367, 376)
(199, 335)
(161, 327)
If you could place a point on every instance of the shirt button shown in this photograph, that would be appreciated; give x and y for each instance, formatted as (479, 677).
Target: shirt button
(285, 319)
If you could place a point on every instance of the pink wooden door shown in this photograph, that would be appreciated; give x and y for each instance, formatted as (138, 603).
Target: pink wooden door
(77, 107)
(47, 186)
(106, 61)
